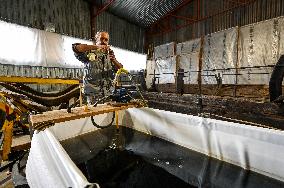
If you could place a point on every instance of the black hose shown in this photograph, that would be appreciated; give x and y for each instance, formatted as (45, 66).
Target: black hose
(46, 101)
(105, 126)
(113, 115)
(42, 94)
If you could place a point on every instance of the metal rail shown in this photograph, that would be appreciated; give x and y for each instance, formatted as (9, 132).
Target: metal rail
(17, 79)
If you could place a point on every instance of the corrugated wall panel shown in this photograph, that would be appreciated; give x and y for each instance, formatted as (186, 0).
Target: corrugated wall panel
(70, 17)
(122, 33)
(257, 11)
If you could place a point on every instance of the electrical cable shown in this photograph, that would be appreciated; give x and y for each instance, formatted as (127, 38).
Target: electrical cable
(113, 114)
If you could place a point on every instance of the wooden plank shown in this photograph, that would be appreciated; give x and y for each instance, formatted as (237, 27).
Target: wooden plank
(22, 142)
(57, 116)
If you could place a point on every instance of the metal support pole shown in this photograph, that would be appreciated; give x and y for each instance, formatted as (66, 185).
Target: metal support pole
(237, 65)
(31, 127)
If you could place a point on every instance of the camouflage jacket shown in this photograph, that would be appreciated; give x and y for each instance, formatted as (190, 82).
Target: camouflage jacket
(97, 65)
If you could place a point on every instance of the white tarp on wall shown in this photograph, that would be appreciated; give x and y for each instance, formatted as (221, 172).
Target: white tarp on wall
(188, 47)
(220, 52)
(150, 67)
(281, 35)
(189, 62)
(189, 59)
(26, 46)
(166, 68)
(259, 45)
(165, 50)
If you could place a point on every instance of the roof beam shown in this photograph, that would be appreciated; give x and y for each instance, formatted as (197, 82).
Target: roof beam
(184, 3)
(182, 17)
(177, 27)
(104, 7)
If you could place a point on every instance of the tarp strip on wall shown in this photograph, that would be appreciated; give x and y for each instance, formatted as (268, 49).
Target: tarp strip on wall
(189, 59)
(220, 53)
(258, 44)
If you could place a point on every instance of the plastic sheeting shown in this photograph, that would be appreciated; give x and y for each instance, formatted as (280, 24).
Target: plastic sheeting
(150, 67)
(255, 148)
(220, 52)
(48, 163)
(188, 47)
(166, 68)
(189, 60)
(189, 63)
(56, 167)
(27, 46)
(259, 45)
(165, 50)
(33, 47)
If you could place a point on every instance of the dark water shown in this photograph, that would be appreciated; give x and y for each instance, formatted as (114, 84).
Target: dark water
(122, 168)
(134, 159)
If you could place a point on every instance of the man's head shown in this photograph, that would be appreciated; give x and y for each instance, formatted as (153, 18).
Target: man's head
(102, 38)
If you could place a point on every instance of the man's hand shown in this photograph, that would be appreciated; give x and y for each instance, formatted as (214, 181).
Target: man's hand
(111, 55)
(113, 59)
(104, 48)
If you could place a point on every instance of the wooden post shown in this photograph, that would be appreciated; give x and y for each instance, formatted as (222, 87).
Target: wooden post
(178, 80)
(200, 57)
(237, 64)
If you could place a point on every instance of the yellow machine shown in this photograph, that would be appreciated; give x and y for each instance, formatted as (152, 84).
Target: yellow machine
(14, 110)
(9, 117)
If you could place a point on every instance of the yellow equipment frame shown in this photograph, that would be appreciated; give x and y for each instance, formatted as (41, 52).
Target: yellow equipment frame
(7, 128)
(17, 79)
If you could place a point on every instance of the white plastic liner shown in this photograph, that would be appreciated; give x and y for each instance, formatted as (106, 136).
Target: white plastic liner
(189, 60)
(281, 35)
(49, 165)
(220, 52)
(259, 46)
(165, 50)
(166, 68)
(33, 47)
(27, 46)
(150, 67)
(188, 47)
(189, 63)
(254, 148)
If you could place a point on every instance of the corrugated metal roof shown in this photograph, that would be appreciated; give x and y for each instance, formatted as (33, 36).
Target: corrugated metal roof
(141, 12)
